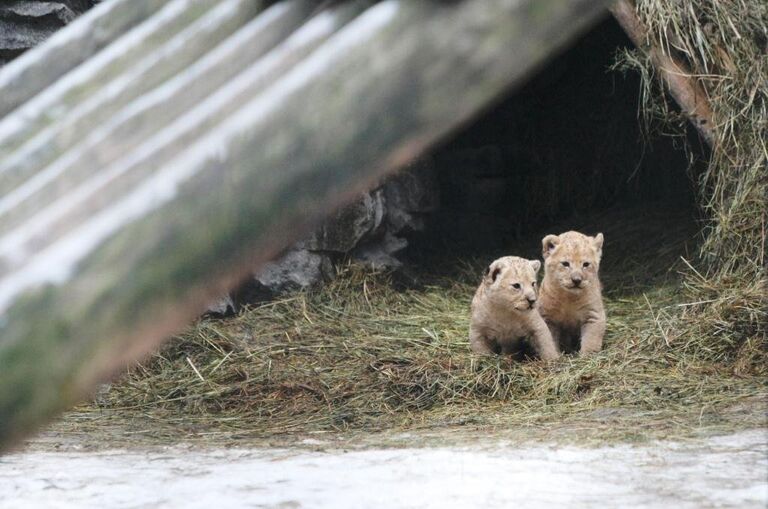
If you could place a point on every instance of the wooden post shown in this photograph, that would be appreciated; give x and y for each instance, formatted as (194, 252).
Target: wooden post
(42, 66)
(683, 86)
(120, 250)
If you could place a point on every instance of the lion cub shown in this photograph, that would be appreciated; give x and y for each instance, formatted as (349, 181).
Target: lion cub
(571, 299)
(504, 313)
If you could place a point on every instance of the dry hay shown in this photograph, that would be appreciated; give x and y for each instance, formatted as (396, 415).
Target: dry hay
(686, 336)
(362, 353)
(725, 46)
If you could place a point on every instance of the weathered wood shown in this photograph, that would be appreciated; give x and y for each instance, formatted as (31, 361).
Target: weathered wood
(42, 66)
(682, 85)
(130, 110)
(104, 96)
(128, 251)
(112, 62)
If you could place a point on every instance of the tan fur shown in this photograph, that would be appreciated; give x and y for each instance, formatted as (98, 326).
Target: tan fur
(503, 316)
(574, 313)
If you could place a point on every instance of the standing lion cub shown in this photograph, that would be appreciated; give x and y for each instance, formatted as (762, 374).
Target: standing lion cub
(504, 313)
(571, 299)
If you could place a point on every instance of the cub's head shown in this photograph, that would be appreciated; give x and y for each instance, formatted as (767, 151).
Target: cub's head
(572, 259)
(511, 282)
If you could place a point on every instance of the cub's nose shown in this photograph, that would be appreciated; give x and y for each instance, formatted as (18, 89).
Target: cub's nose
(531, 301)
(576, 279)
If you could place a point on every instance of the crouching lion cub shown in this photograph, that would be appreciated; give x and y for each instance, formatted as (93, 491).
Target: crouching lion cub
(571, 299)
(504, 313)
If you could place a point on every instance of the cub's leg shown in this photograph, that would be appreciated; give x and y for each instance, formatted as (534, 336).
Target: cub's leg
(481, 344)
(592, 333)
(543, 342)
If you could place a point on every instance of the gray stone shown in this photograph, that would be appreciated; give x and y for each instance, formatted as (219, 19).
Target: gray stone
(80, 6)
(24, 24)
(381, 253)
(38, 11)
(296, 269)
(344, 230)
(223, 306)
(370, 230)
(410, 195)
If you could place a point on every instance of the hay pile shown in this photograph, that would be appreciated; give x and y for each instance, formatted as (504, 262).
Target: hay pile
(363, 353)
(725, 45)
(687, 335)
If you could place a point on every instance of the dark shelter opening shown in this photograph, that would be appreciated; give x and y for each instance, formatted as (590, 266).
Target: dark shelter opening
(562, 148)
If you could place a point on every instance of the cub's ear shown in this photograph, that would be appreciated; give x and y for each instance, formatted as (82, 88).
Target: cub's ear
(535, 265)
(598, 242)
(548, 244)
(492, 272)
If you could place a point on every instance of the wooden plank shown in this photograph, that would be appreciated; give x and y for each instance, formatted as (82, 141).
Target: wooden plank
(154, 66)
(40, 67)
(100, 274)
(682, 85)
(76, 86)
(107, 125)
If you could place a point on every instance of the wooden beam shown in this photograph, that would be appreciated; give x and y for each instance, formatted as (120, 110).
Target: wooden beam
(42, 66)
(682, 85)
(125, 110)
(128, 245)
(188, 21)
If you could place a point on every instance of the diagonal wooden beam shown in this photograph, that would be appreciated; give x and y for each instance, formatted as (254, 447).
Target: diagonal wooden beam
(682, 85)
(42, 66)
(128, 245)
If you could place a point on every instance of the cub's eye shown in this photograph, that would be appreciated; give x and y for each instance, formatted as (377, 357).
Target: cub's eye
(533, 284)
(586, 264)
(566, 264)
(516, 286)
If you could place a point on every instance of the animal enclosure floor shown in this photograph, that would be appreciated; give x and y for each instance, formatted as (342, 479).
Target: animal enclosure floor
(723, 471)
(369, 353)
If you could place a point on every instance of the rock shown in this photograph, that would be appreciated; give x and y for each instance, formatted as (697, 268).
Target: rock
(407, 197)
(370, 230)
(39, 13)
(381, 254)
(344, 230)
(24, 24)
(297, 269)
(80, 6)
(222, 307)
(410, 195)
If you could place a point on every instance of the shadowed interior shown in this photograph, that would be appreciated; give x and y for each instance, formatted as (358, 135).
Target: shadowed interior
(566, 146)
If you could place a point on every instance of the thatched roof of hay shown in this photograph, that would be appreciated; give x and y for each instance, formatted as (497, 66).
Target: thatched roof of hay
(724, 48)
